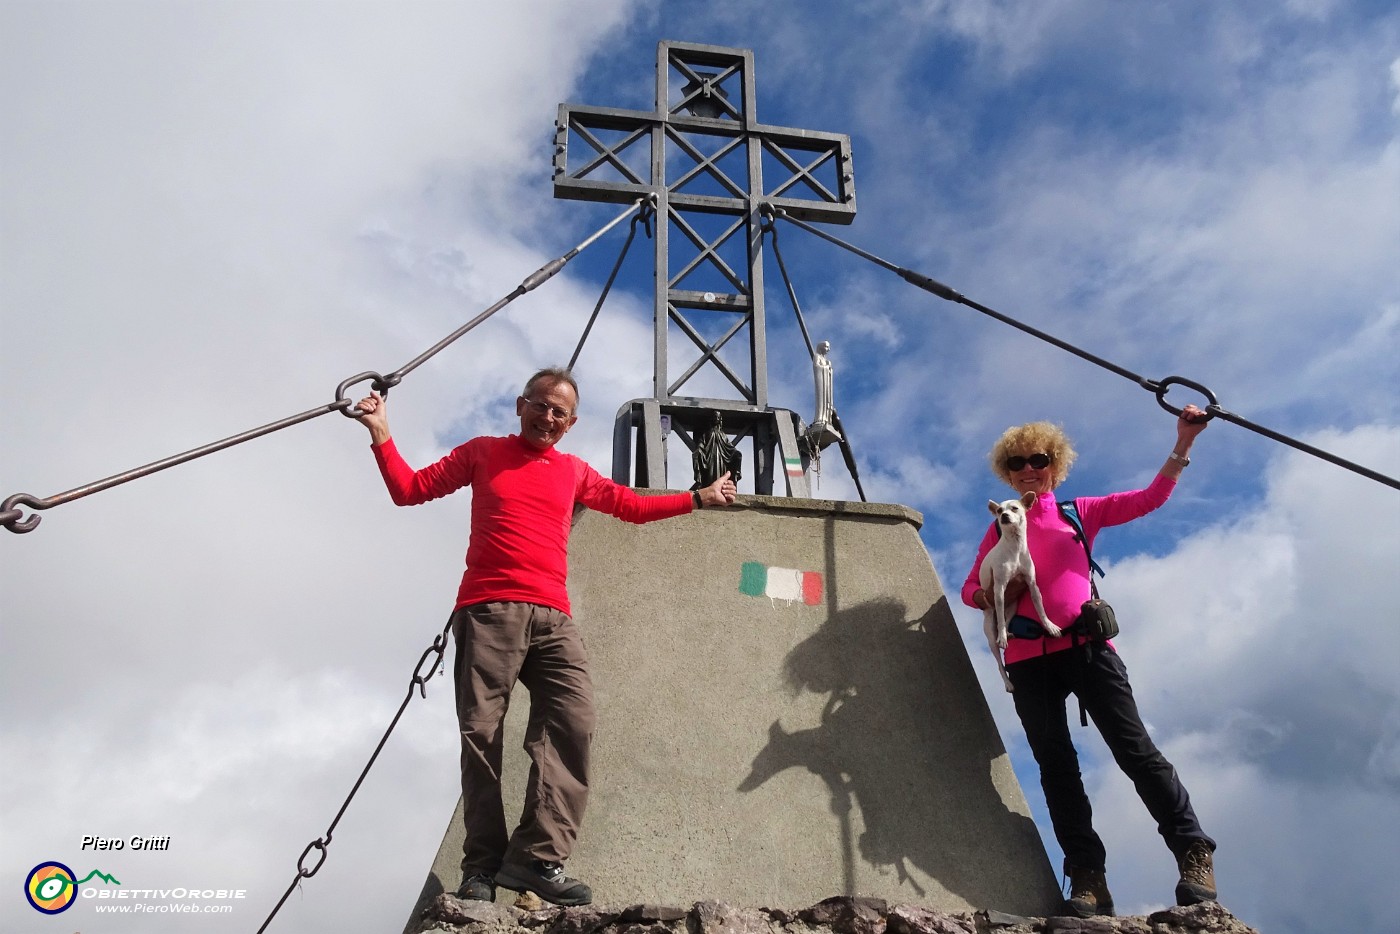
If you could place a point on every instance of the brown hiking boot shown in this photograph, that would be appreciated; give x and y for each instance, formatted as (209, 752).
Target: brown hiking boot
(1197, 883)
(1088, 893)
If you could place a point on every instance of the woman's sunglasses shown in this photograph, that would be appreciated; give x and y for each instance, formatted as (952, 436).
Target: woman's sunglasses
(1038, 461)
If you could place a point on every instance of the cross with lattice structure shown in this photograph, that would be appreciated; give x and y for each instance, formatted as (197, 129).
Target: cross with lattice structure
(709, 166)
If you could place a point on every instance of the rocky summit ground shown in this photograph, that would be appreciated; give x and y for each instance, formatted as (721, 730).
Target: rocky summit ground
(839, 915)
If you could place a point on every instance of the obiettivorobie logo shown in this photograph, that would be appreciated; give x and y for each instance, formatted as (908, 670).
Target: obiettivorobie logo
(52, 887)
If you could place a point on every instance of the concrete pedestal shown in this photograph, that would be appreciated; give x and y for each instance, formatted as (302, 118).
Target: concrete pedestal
(786, 712)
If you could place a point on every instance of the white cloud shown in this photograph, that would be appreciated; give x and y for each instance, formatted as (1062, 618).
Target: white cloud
(1395, 84)
(910, 479)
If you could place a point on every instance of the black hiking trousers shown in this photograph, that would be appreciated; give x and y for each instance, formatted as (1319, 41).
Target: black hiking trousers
(1095, 674)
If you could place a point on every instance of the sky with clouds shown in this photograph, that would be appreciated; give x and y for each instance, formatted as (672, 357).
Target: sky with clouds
(212, 213)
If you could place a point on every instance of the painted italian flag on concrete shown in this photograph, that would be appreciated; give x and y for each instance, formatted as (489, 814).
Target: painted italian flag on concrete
(788, 584)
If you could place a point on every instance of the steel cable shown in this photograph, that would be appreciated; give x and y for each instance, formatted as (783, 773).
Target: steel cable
(644, 218)
(14, 519)
(770, 229)
(1157, 387)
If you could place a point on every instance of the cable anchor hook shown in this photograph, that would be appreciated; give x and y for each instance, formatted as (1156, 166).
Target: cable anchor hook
(13, 519)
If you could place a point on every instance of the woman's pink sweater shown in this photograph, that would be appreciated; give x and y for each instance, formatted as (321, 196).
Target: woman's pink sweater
(1061, 568)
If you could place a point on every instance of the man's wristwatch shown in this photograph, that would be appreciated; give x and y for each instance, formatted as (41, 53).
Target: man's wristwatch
(695, 495)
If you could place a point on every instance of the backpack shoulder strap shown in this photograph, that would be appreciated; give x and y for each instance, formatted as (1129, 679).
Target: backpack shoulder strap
(1071, 514)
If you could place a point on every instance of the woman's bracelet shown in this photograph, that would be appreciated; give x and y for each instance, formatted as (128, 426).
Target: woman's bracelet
(1181, 459)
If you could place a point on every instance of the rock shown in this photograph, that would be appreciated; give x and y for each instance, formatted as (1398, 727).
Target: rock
(462, 914)
(1002, 923)
(582, 920)
(648, 913)
(1205, 918)
(719, 918)
(839, 915)
(911, 919)
(846, 914)
(1068, 924)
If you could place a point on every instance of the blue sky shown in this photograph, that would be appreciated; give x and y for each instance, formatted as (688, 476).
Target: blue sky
(211, 214)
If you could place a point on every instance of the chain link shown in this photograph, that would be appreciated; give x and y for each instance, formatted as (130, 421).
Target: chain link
(419, 681)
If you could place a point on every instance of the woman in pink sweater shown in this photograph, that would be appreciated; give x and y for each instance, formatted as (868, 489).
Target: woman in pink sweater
(1044, 671)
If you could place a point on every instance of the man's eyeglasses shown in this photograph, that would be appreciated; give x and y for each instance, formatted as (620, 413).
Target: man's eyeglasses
(540, 408)
(1038, 461)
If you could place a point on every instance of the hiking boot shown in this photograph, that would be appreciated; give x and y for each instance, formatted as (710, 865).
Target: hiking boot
(1088, 893)
(477, 888)
(547, 880)
(1197, 883)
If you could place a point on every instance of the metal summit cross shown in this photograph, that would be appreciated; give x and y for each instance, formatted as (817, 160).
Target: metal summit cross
(702, 157)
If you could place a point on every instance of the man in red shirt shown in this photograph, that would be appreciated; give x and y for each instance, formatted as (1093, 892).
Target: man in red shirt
(511, 622)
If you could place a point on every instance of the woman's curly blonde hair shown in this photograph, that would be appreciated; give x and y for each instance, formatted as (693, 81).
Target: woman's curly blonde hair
(1033, 438)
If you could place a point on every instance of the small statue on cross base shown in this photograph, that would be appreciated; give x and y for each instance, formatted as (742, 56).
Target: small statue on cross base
(822, 431)
(714, 454)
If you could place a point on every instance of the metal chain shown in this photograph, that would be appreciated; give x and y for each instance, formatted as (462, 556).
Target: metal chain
(1158, 388)
(13, 518)
(419, 680)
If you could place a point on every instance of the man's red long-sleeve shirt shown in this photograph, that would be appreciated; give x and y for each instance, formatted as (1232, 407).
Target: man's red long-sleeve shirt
(522, 509)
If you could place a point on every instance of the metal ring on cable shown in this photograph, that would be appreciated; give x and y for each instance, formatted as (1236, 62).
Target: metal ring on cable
(1166, 384)
(435, 652)
(317, 844)
(347, 408)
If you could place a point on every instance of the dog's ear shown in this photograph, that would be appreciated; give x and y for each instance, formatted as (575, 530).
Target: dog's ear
(993, 507)
(1028, 498)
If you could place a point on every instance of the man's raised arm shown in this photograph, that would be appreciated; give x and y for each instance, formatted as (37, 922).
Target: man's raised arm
(376, 417)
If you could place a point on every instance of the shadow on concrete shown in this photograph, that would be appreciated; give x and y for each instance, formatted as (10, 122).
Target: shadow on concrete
(431, 890)
(914, 762)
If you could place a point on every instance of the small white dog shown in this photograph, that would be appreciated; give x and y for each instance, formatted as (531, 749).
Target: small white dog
(1008, 560)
